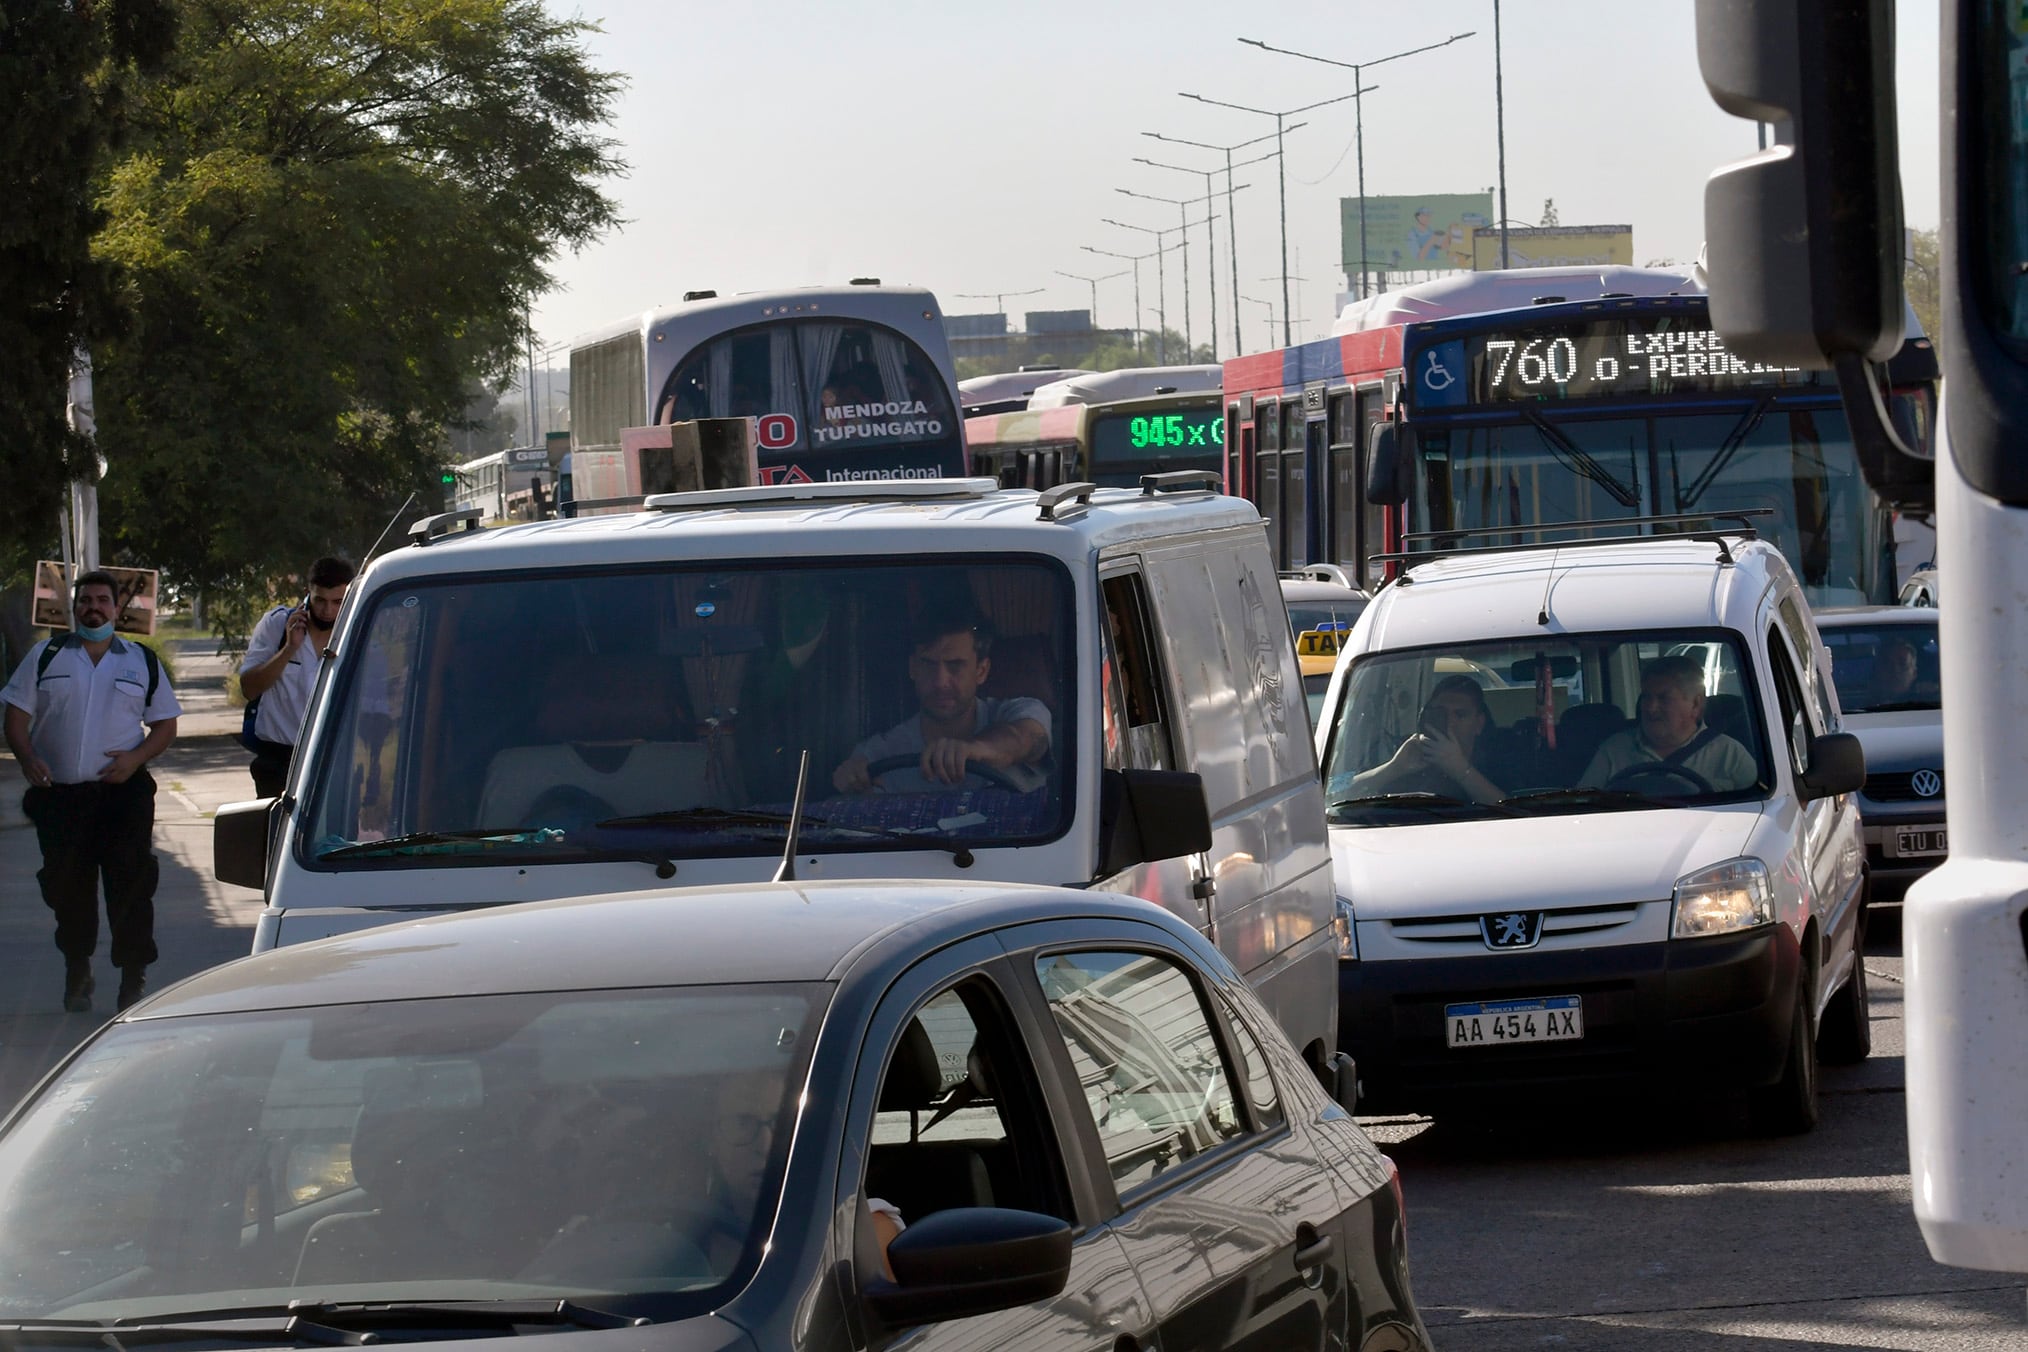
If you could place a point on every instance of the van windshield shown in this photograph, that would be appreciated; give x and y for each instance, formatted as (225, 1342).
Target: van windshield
(1573, 723)
(664, 712)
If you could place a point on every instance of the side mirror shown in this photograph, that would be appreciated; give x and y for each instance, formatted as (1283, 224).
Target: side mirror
(1837, 765)
(1389, 451)
(1146, 815)
(239, 841)
(971, 1261)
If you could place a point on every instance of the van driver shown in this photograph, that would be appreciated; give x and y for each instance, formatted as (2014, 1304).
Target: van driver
(1671, 732)
(950, 659)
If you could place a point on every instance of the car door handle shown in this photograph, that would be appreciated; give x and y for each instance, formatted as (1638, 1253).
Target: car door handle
(1314, 1252)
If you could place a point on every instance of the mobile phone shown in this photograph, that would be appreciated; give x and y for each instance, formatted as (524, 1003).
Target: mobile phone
(1434, 723)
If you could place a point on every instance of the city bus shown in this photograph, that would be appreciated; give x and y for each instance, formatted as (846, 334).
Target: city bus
(1527, 398)
(842, 383)
(503, 485)
(1107, 428)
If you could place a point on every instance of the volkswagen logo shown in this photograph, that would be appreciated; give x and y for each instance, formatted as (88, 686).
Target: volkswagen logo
(1925, 783)
(1518, 929)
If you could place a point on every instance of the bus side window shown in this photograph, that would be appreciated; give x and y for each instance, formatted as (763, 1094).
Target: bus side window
(1343, 533)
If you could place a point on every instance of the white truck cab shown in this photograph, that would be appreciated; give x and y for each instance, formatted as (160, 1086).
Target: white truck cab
(1591, 820)
(603, 704)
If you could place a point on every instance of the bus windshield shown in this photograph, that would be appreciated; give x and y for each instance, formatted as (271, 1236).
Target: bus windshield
(1796, 462)
(846, 384)
(529, 720)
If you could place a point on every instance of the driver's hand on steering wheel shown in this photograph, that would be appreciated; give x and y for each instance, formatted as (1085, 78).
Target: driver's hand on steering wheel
(943, 760)
(851, 777)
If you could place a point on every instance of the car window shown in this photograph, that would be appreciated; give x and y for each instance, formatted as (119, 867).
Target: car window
(1140, 1042)
(958, 1121)
(1253, 1067)
(1882, 667)
(1789, 695)
(1137, 726)
(1798, 629)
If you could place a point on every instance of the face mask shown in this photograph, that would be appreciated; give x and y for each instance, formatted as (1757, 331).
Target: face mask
(95, 633)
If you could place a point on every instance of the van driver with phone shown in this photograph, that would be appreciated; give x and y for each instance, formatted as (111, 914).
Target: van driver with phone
(280, 670)
(1440, 757)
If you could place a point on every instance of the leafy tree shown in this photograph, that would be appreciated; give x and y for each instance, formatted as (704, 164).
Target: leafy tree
(331, 224)
(1922, 275)
(65, 67)
(1549, 212)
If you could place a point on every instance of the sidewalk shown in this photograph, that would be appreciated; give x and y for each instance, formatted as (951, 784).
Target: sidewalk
(199, 921)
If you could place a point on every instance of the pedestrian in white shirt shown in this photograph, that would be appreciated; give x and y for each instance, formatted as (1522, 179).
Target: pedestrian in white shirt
(280, 671)
(85, 712)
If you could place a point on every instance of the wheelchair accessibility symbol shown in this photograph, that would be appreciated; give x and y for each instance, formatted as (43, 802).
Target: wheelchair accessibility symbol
(1435, 375)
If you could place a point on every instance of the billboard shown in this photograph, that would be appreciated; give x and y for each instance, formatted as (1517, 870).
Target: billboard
(1555, 246)
(1414, 234)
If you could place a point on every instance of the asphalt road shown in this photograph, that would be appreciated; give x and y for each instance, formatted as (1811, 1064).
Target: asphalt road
(1674, 1227)
(1657, 1227)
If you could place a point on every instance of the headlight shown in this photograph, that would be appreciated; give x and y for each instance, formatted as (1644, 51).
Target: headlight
(1348, 935)
(1726, 897)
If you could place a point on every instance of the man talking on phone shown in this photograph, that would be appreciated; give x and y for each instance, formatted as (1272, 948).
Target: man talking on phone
(280, 671)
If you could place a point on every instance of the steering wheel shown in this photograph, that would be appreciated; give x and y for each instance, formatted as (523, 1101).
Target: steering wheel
(1650, 769)
(992, 774)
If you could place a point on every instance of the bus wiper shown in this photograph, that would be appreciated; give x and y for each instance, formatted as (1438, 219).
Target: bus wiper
(547, 839)
(718, 816)
(1898, 706)
(1728, 448)
(1576, 458)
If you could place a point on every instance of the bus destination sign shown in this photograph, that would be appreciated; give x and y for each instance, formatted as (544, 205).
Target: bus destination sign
(1194, 431)
(1611, 358)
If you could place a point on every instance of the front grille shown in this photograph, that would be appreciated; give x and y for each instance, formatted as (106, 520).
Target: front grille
(1899, 788)
(1464, 929)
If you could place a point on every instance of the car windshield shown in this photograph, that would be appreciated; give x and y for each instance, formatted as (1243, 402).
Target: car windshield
(1562, 724)
(547, 719)
(1879, 668)
(1305, 616)
(620, 1147)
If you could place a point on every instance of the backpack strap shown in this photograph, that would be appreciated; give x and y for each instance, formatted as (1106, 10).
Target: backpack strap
(1695, 744)
(154, 665)
(49, 652)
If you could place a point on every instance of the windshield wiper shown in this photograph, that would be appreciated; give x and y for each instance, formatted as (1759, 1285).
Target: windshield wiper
(1575, 457)
(1594, 797)
(1416, 799)
(718, 816)
(1741, 430)
(329, 1324)
(547, 840)
(1897, 706)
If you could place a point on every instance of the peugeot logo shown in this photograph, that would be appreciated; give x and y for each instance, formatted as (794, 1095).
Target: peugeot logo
(1517, 930)
(1925, 783)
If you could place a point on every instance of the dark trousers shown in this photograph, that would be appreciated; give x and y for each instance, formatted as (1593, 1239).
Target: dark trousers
(270, 767)
(90, 832)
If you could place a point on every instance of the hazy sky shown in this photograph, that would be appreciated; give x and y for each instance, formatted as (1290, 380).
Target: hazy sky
(969, 148)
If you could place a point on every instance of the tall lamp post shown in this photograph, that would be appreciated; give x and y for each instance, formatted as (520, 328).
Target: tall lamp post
(1500, 129)
(1161, 283)
(1093, 283)
(1231, 221)
(1136, 260)
(1358, 69)
(1255, 300)
(1182, 205)
(1281, 174)
(1211, 238)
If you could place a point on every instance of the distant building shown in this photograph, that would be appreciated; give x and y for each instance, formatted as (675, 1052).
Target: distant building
(1057, 337)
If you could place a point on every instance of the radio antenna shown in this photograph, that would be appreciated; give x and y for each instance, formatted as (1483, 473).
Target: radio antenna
(385, 529)
(787, 872)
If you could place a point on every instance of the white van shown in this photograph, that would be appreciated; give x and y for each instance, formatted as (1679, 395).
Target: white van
(601, 705)
(1591, 820)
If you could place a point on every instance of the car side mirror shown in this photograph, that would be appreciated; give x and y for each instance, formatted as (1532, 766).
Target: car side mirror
(971, 1261)
(1837, 765)
(239, 841)
(1389, 451)
(1147, 815)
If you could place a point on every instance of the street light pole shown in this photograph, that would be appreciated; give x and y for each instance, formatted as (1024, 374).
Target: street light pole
(1093, 282)
(1182, 205)
(1135, 259)
(1270, 315)
(1161, 284)
(1231, 217)
(1500, 129)
(1281, 176)
(1210, 237)
(1359, 88)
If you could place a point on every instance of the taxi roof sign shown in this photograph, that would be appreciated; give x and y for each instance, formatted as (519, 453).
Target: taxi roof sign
(1321, 642)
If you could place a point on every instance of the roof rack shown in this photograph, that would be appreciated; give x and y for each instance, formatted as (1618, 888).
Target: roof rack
(857, 490)
(446, 523)
(1052, 503)
(1335, 573)
(1182, 481)
(1722, 538)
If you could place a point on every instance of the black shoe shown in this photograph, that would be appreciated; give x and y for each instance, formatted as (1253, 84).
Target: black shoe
(77, 988)
(133, 985)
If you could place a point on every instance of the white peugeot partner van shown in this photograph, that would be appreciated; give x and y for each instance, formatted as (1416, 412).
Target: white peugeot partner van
(603, 704)
(1591, 819)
